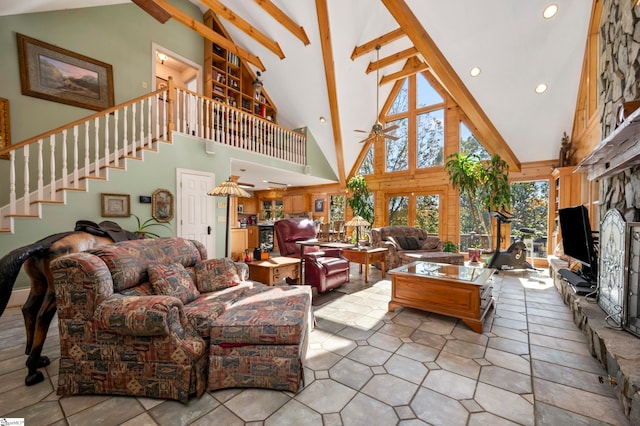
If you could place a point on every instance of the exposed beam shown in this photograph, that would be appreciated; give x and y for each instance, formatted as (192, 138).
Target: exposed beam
(209, 34)
(370, 46)
(330, 75)
(441, 68)
(154, 10)
(284, 20)
(396, 57)
(228, 14)
(412, 66)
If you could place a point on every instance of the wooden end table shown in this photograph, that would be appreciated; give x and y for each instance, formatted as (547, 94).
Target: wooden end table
(274, 270)
(459, 291)
(367, 257)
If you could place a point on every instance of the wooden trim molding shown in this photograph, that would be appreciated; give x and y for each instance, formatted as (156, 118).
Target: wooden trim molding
(284, 20)
(379, 41)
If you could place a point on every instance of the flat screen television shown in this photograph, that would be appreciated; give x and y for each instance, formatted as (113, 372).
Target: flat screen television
(577, 239)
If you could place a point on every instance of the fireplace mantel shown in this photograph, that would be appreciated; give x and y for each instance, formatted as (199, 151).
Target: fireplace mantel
(619, 151)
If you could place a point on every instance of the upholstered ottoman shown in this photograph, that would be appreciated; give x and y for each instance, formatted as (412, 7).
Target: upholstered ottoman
(433, 256)
(261, 341)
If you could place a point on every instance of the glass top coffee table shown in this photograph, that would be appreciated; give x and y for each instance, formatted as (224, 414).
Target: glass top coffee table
(464, 292)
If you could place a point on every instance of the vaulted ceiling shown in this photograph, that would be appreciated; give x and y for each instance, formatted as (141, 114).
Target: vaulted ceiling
(510, 41)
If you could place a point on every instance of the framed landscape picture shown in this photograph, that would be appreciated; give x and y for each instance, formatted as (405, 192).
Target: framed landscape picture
(115, 205)
(56, 74)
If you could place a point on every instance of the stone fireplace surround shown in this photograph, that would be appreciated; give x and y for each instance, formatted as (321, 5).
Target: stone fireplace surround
(618, 82)
(617, 350)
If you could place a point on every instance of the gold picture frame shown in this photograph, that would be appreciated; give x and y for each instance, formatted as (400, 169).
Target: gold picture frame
(5, 125)
(115, 205)
(59, 75)
(162, 205)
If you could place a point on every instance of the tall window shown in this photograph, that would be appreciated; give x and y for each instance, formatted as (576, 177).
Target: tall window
(469, 234)
(336, 208)
(425, 135)
(530, 209)
(430, 139)
(427, 213)
(399, 210)
(366, 167)
(470, 144)
(397, 150)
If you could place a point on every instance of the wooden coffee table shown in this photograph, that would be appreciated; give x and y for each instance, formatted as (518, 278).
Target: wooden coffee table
(274, 270)
(367, 257)
(459, 291)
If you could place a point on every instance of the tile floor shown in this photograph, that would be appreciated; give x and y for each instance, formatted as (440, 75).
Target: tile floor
(367, 366)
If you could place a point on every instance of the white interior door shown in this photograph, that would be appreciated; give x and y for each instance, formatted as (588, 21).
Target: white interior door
(196, 212)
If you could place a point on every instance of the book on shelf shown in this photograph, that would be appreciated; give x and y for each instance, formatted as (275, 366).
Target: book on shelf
(233, 59)
(218, 89)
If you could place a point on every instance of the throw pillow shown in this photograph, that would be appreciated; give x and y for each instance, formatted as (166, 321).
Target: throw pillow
(413, 243)
(431, 243)
(402, 240)
(172, 280)
(216, 274)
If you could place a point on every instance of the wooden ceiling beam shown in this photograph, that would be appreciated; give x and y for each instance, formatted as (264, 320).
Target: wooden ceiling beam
(370, 46)
(158, 13)
(223, 11)
(208, 33)
(414, 29)
(396, 57)
(284, 20)
(412, 66)
(330, 76)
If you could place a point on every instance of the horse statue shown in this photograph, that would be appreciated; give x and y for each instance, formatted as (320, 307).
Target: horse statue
(40, 307)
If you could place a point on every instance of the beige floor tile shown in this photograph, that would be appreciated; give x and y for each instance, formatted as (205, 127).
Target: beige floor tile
(508, 345)
(363, 409)
(465, 349)
(112, 411)
(406, 368)
(326, 396)
(369, 355)
(505, 404)
(438, 409)
(458, 364)
(256, 404)
(351, 373)
(450, 384)
(571, 377)
(506, 379)
(508, 360)
(294, 413)
(390, 389)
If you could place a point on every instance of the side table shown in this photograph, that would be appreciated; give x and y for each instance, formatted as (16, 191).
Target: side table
(274, 270)
(366, 257)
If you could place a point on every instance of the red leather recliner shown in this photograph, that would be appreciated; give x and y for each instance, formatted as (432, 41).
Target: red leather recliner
(324, 269)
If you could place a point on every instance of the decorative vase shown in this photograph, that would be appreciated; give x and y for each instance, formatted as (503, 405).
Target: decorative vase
(475, 255)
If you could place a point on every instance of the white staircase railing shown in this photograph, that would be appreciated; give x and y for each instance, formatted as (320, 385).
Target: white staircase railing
(41, 169)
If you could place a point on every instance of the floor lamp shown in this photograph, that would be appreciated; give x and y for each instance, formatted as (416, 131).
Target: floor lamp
(228, 189)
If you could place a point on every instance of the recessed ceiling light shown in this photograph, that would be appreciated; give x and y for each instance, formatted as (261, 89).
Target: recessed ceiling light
(322, 119)
(550, 11)
(541, 88)
(475, 71)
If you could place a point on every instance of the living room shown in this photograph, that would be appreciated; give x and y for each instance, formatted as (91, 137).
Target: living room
(126, 46)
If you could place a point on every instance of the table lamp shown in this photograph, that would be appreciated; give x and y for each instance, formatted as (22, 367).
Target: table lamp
(228, 189)
(357, 222)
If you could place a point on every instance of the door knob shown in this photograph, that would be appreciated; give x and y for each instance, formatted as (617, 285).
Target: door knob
(208, 230)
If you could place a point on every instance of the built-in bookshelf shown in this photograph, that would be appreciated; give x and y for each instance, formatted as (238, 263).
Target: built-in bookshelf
(228, 79)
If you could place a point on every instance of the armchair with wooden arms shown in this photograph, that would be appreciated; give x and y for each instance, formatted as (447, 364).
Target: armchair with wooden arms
(324, 268)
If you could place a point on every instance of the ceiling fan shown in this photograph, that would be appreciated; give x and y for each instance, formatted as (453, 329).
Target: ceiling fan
(377, 130)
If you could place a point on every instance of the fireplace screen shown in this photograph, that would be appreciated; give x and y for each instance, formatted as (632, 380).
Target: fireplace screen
(632, 283)
(611, 275)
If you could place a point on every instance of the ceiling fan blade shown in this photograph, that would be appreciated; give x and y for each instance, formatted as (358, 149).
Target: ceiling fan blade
(367, 139)
(393, 138)
(362, 131)
(390, 128)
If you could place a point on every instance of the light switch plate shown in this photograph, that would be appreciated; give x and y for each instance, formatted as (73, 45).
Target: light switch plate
(221, 219)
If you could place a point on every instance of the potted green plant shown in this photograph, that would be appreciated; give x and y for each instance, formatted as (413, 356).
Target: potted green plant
(143, 227)
(449, 247)
(483, 182)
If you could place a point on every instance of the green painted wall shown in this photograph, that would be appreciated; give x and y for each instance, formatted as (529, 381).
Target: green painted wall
(120, 35)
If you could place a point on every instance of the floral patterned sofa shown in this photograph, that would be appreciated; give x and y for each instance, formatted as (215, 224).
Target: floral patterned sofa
(407, 244)
(156, 318)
